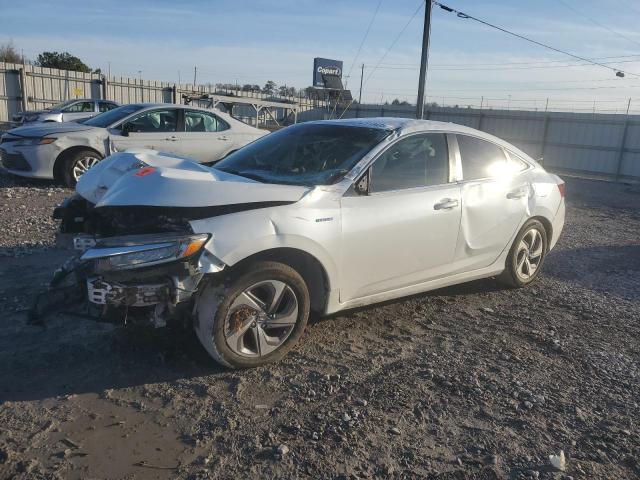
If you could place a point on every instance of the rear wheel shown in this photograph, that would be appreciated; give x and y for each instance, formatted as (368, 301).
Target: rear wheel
(78, 163)
(526, 256)
(255, 320)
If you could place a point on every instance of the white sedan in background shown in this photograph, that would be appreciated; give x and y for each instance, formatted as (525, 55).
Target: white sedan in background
(64, 151)
(320, 216)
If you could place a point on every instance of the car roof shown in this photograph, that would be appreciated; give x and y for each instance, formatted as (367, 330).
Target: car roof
(405, 126)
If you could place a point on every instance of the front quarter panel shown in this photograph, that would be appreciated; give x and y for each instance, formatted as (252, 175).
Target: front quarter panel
(310, 226)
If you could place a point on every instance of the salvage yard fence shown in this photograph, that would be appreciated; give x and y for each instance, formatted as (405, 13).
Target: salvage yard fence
(602, 145)
(605, 145)
(29, 87)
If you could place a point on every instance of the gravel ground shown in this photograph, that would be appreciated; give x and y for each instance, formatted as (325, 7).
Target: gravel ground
(475, 381)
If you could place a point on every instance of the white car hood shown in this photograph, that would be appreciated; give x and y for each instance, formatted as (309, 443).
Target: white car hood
(150, 178)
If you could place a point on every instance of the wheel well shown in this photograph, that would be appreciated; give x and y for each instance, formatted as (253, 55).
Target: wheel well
(59, 163)
(308, 266)
(547, 227)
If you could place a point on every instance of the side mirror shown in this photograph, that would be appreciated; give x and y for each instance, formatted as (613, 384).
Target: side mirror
(126, 129)
(362, 185)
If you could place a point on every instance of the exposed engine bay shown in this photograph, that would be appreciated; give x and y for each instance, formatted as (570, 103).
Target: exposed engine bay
(135, 251)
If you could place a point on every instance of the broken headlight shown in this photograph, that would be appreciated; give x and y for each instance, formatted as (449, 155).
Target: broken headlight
(143, 250)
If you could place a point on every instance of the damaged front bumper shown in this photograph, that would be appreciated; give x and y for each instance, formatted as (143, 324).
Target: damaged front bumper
(155, 274)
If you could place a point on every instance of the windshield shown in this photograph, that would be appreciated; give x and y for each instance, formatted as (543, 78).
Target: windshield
(304, 154)
(60, 106)
(112, 116)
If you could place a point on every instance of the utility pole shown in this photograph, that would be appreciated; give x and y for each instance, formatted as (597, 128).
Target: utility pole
(195, 75)
(141, 87)
(425, 58)
(361, 76)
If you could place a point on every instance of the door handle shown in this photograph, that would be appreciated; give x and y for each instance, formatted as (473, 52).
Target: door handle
(446, 204)
(223, 138)
(518, 193)
(172, 139)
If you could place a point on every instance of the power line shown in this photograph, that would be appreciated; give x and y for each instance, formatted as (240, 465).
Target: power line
(629, 7)
(496, 67)
(595, 22)
(366, 34)
(465, 16)
(395, 40)
(635, 55)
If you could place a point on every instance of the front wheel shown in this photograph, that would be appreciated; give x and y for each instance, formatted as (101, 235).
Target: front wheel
(77, 164)
(256, 319)
(526, 256)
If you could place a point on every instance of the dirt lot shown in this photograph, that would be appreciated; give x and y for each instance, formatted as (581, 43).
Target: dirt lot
(475, 381)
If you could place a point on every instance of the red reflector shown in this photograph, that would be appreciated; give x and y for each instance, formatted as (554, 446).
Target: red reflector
(561, 188)
(145, 171)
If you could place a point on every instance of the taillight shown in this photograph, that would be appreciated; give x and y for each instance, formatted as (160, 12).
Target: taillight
(561, 188)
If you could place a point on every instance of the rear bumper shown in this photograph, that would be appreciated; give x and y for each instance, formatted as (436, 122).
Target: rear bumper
(557, 225)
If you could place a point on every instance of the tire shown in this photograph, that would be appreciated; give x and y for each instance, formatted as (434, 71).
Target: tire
(243, 325)
(529, 248)
(77, 163)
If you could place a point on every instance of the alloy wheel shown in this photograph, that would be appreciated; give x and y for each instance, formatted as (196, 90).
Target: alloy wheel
(261, 318)
(82, 165)
(529, 254)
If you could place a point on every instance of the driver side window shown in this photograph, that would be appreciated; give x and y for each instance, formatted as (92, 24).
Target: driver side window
(154, 121)
(416, 161)
(79, 107)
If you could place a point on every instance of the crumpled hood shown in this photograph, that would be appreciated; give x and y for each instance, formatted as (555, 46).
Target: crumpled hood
(149, 178)
(49, 128)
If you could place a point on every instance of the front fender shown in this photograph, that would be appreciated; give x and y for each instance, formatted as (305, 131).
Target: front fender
(238, 236)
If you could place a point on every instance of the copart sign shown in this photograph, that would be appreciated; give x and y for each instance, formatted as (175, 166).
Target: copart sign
(325, 66)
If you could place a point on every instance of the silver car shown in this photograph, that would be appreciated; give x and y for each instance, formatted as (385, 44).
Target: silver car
(317, 217)
(65, 151)
(69, 111)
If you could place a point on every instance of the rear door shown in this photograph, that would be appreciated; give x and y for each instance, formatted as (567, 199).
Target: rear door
(495, 194)
(156, 129)
(404, 231)
(206, 137)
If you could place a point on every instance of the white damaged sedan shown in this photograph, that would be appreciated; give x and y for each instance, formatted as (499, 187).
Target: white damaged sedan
(318, 217)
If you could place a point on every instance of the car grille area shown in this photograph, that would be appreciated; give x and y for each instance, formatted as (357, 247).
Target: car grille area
(14, 161)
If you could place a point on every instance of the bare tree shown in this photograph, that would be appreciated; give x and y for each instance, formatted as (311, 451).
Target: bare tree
(9, 54)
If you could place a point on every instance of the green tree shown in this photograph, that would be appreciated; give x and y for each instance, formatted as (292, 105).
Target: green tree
(9, 54)
(63, 61)
(269, 87)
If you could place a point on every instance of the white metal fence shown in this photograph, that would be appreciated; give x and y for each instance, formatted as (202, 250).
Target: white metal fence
(601, 144)
(606, 145)
(28, 87)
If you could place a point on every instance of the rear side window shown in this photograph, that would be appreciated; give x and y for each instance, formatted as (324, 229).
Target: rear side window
(481, 159)
(416, 161)
(106, 106)
(197, 121)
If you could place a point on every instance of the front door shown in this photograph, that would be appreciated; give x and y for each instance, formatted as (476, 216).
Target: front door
(155, 129)
(78, 111)
(404, 231)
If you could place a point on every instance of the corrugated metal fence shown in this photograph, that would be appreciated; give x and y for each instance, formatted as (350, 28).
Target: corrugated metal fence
(601, 144)
(605, 145)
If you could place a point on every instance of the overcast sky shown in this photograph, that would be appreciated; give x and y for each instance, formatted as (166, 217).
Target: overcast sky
(259, 40)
